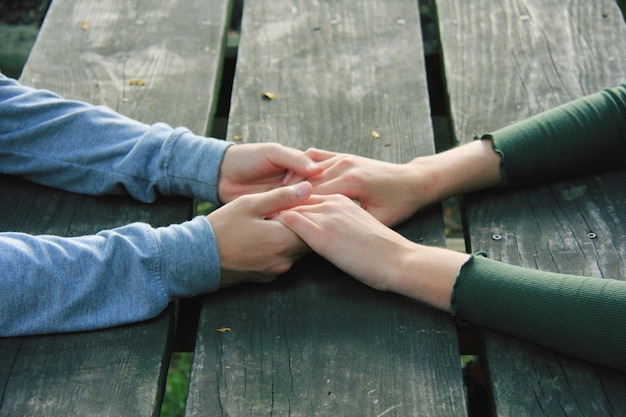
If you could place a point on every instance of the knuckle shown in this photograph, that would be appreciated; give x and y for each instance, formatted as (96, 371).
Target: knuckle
(283, 193)
(346, 162)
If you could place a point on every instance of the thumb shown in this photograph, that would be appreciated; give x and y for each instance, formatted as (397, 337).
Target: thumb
(283, 198)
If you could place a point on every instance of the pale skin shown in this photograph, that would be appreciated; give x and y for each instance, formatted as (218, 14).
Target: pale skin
(252, 246)
(331, 223)
(258, 167)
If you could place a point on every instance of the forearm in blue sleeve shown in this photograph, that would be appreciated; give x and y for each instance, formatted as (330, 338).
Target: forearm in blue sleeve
(579, 316)
(54, 284)
(93, 150)
(584, 136)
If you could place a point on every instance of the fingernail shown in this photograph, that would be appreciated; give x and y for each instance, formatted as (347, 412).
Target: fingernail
(302, 189)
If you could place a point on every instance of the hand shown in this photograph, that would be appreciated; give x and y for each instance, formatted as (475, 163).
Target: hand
(352, 239)
(258, 167)
(390, 192)
(252, 246)
(349, 237)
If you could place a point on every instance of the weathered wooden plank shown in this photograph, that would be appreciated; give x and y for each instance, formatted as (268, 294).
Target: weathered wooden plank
(340, 71)
(9, 349)
(317, 342)
(505, 61)
(114, 372)
(90, 50)
(36, 209)
(174, 47)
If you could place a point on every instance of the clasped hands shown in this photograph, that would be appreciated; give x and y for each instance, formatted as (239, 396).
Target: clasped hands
(281, 202)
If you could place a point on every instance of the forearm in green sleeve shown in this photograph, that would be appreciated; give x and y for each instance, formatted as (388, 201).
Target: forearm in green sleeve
(580, 316)
(586, 135)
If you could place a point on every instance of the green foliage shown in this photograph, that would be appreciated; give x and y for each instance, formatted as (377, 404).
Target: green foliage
(177, 385)
(203, 208)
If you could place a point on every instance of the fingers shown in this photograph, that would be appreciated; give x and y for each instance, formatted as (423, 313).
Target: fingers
(319, 155)
(340, 173)
(292, 176)
(253, 248)
(303, 225)
(278, 199)
(297, 223)
(337, 185)
(299, 165)
(294, 161)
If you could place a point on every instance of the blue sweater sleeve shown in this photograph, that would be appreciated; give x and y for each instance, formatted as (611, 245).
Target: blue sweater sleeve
(93, 150)
(56, 284)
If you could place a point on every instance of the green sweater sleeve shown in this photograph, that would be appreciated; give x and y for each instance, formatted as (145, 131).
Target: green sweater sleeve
(580, 316)
(583, 136)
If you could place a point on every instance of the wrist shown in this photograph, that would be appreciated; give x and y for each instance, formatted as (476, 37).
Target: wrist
(428, 274)
(428, 178)
(466, 168)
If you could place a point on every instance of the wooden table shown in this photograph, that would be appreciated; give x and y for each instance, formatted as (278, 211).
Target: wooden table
(316, 342)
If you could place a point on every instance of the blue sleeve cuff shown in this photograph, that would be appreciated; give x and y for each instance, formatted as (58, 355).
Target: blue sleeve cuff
(193, 165)
(190, 263)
